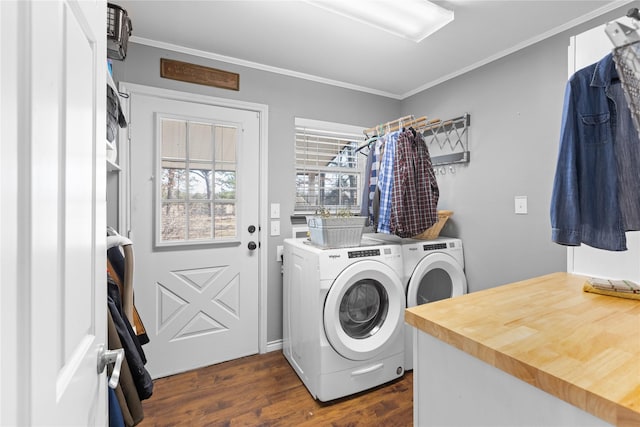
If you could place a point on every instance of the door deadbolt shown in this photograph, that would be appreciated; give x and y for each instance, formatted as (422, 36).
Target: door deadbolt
(252, 229)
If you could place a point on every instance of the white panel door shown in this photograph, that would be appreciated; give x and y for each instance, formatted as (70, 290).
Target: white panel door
(54, 202)
(194, 223)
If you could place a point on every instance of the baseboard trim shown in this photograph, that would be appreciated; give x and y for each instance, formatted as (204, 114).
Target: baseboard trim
(274, 346)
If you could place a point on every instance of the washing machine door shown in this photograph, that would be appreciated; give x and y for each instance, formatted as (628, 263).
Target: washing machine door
(363, 310)
(437, 276)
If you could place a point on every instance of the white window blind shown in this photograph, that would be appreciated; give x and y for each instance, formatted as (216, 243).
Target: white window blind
(329, 170)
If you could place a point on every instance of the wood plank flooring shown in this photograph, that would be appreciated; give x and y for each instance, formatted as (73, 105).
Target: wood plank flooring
(263, 390)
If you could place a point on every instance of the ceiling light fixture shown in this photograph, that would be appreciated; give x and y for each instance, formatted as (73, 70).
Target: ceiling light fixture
(411, 19)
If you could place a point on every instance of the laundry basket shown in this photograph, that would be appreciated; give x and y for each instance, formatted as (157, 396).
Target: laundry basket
(118, 32)
(336, 232)
(434, 231)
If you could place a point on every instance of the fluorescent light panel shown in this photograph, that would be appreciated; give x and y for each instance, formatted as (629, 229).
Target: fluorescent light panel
(410, 19)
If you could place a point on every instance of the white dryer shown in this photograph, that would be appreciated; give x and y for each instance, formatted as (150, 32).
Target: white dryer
(433, 270)
(343, 316)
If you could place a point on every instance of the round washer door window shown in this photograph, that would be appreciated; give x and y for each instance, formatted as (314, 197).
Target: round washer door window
(437, 276)
(363, 310)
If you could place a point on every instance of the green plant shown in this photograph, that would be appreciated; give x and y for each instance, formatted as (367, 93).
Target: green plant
(326, 213)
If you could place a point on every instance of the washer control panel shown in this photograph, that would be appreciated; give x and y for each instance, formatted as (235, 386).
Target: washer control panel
(364, 253)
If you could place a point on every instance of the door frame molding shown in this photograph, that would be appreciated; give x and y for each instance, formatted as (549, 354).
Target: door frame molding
(15, 291)
(124, 205)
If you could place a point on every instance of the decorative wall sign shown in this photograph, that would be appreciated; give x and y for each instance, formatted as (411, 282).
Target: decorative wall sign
(192, 73)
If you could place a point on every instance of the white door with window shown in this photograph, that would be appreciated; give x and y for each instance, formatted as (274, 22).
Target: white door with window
(194, 222)
(53, 181)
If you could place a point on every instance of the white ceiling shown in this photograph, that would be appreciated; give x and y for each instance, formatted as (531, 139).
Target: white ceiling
(297, 38)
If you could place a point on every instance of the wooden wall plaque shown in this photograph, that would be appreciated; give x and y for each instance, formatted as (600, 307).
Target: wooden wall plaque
(192, 73)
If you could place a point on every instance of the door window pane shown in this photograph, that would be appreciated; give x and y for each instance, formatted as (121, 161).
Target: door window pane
(225, 220)
(200, 221)
(200, 184)
(174, 139)
(198, 168)
(174, 181)
(225, 185)
(174, 222)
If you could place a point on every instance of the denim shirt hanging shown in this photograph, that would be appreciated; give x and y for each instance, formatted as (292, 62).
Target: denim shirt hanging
(595, 195)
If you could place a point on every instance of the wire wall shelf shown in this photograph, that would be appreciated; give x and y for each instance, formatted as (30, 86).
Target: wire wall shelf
(448, 141)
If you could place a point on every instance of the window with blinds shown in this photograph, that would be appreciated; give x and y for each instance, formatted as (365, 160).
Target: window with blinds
(329, 170)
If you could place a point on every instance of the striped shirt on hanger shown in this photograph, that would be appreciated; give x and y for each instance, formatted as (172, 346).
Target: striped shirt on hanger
(385, 182)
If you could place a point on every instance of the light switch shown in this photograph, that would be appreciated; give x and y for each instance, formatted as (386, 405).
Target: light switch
(275, 228)
(275, 210)
(521, 205)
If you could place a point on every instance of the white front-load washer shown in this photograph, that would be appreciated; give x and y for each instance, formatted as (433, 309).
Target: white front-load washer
(343, 316)
(433, 270)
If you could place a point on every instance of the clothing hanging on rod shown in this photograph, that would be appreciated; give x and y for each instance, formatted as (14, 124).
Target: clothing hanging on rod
(594, 198)
(419, 124)
(121, 243)
(385, 181)
(403, 192)
(390, 126)
(399, 124)
(126, 330)
(415, 191)
(367, 144)
(364, 206)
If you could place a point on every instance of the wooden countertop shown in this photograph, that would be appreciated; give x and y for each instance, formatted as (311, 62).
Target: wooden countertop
(581, 347)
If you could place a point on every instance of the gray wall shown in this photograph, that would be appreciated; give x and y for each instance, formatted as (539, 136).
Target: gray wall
(286, 98)
(515, 105)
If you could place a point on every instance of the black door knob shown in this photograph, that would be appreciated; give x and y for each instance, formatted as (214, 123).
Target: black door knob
(252, 246)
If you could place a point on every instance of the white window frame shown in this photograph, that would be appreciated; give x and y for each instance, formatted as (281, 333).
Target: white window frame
(158, 242)
(337, 130)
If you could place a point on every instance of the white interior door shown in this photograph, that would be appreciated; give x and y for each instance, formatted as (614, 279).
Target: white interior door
(53, 213)
(194, 225)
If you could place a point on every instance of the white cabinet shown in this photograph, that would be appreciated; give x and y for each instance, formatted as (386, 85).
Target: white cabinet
(453, 388)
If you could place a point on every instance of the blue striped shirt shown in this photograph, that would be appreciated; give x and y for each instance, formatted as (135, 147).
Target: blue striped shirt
(385, 182)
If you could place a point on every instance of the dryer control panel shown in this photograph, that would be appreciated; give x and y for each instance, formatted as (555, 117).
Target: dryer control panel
(434, 247)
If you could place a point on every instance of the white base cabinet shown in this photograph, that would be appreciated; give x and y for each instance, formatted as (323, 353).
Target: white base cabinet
(453, 388)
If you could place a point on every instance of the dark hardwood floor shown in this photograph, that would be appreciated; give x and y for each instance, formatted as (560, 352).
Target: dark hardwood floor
(263, 390)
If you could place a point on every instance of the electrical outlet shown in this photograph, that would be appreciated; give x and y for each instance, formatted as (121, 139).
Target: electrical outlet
(279, 253)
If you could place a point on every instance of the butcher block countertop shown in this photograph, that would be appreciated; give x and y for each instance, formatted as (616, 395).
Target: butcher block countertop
(581, 347)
